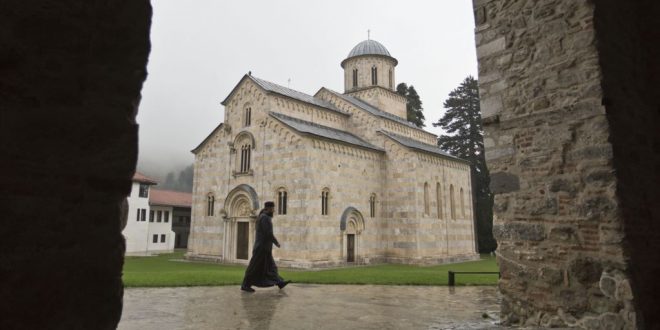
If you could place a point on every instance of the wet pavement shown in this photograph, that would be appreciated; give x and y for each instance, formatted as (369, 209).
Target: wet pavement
(306, 306)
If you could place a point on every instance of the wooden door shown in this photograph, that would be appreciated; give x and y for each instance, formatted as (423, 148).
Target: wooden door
(242, 238)
(350, 247)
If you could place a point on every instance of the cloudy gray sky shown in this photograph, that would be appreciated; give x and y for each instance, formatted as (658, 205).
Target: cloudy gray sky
(201, 49)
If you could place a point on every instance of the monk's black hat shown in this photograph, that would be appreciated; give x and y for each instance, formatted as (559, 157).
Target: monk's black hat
(269, 204)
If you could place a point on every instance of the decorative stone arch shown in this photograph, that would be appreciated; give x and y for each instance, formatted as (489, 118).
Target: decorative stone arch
(239, 215)
(242, 189)
(244, 135)
(351, 225)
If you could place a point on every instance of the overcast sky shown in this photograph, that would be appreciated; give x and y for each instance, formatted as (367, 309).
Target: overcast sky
(201, 49)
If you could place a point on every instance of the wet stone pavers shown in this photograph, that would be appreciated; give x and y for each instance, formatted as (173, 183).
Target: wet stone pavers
(305, 306)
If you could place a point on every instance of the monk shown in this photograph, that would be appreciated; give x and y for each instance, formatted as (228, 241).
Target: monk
(262, 271)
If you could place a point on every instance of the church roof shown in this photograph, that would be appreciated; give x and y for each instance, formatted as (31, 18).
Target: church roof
(208, 137)
(141, 178)
(306, 127)
(414, 144)
(287, 92)
(373, 110)
(369, 47)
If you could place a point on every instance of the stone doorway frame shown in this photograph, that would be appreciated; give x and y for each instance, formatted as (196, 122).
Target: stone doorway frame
(241, 205)
(351, 223)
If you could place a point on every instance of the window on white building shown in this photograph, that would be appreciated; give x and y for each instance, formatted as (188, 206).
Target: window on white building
(155, 238)
(159, 216)
(143, 212)
(167, 216)
(144, 190)
(151, 215)
(162, 238)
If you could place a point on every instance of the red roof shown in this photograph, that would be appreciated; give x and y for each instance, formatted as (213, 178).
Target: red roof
(139, 177)
(170, 198)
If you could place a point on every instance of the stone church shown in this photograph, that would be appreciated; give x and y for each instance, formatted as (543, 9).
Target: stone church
(353, 181)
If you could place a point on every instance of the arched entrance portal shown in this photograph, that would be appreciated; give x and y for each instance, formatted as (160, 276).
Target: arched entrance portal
(241, 206)
(351, 226)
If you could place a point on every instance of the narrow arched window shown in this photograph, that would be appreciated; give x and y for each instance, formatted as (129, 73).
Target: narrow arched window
(374, 76)
(438, 196)
(462, 204)
(391, 79)
(355, 77)
(210, 204)
(245, 158)
(452, 202)
(248, 117)
(426, 198)
(372, 205)
(281, 201)
(325, 196)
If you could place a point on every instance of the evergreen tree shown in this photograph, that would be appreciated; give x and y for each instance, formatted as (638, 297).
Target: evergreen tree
(414, 110)
(183, 181)
(462, 122)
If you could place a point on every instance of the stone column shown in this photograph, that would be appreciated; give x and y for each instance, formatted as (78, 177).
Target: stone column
(559, 218)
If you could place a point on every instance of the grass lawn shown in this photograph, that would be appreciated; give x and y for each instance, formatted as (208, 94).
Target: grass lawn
(167, 270)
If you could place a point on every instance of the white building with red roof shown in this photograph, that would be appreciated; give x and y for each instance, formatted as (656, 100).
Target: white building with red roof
(158, 220)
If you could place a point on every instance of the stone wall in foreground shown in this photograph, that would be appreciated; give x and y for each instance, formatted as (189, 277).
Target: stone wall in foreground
(572, 144)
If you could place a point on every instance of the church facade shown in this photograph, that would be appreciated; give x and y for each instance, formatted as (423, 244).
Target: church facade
(353, 181)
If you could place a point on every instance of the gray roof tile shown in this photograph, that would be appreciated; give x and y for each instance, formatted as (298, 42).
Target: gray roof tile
(306, 127)
(294, 94)
(373, 110)
(414, 144)
(369, 47)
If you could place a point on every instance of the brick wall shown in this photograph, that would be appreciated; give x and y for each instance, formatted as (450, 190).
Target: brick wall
(572, 147)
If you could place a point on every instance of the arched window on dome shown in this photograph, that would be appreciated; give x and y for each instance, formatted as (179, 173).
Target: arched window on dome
(391, 79)
(355, 77)
(374, 75)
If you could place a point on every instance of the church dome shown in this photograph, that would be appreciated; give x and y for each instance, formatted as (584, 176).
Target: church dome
(369, 47)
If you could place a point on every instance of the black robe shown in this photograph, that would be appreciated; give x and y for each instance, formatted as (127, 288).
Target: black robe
(262, 271)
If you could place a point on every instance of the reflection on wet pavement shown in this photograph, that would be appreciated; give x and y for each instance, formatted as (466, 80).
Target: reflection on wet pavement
(303, 306)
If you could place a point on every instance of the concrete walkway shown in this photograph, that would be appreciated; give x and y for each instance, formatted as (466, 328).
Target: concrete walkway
(304, 306)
